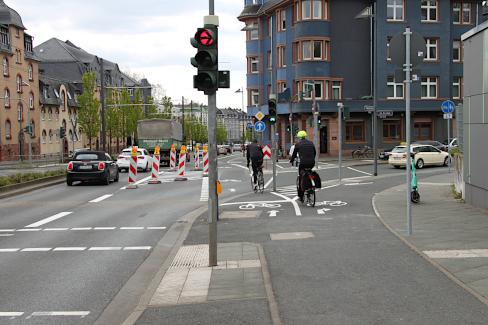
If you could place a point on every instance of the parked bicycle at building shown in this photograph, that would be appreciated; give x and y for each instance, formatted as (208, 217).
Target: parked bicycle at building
(365, 152)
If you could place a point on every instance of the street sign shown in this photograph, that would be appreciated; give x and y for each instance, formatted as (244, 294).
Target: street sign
(383, 114)
(398, 51)
(249, 125)
(447, 116)
(289, 119)
(447, 107)
(277, 137)
(368, 108)
(259, 115)
(259, 126)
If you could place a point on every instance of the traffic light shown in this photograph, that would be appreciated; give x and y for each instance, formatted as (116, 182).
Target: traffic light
(347, 113)
(301, 95)
(288, 128)
(319, 119)
(62, 132)
(272, 110)
(295, 128)
(206, 59)
(28, 129)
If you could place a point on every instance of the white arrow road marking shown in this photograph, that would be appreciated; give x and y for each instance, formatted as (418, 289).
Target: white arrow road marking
(272, 213)
(44, 221)
(322, 211)
(101, 198)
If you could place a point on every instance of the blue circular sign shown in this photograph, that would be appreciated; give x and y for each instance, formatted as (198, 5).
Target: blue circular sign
(249, 125)
(447, 107)
(260, 126)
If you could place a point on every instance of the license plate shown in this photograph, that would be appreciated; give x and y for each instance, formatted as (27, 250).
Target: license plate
(126, 158)
(85, 167)
(397, 158)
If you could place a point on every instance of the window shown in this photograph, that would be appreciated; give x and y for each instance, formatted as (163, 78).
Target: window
(69, 115)
(18, 56)
(461, 13)
(8, 129)
(422, 131)
(57, 114)
(19, 112)
(354, 130)
(391, 129)
(456, 88)
(44, 136)
(388, 40)
(19, 84)
(281, 49)
(395, 90)
(306, 50)
(5, 66)
(317, 9)
(311, 9)
(70, 136)
(63, 100)
(429, 87)
(17, 32)
(45, 92)
(7, 100)
(394, 10)
(254, 64)
(57, 137)
(4, 33)
(431, 48)
(282, 20)
(254, 34)
(336, 89)
(306, 9)
(50, 136)
(456, 51)
(30, 72)
(254, 97)
(317, 50)
(428, 11)
(269, 59)
(43, 112)
(49, 113)
(31, 100)
(69, 95)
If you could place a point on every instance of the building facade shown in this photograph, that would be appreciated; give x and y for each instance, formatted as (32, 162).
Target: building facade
(20, 88)
(291, 43)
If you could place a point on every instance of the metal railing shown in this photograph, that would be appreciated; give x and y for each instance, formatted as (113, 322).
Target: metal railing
(48, 159)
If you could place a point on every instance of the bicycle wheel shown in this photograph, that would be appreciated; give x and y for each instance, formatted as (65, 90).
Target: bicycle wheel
(356, 153)
(255, 189)
(369, 154)
(311, 197)
(261, 182)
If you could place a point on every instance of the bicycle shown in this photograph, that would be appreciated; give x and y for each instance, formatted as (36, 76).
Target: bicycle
(260, 179)
(310, 192)
(365, 152)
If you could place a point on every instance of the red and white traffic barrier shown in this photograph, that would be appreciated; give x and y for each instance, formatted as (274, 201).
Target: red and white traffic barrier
(133, 170)
(172, 159)
(197, 160)
(155, 168)
(181, 165)
(205, 162)
(266, 152)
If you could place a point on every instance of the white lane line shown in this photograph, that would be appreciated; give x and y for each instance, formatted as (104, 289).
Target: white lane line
(52, 218)
(11, 314)
(204, 193)
(54, 229)
(78, 229)
(104, 228)
(269, 182)
(6, 235)
(239, 166)
(279, 166)
(69, 249)
(359, 171)
(131, 228)
(293, 202)
(85, 228)
(7, 230)
(61, 313)
(105, 248)
(135, 248)
(155, 228)
(9, 250)
(40, 249)
(138, 182)
(101, 198)
(37, 229)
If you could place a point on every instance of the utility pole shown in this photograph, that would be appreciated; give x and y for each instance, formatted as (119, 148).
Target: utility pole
(183, 116)
(102, 99)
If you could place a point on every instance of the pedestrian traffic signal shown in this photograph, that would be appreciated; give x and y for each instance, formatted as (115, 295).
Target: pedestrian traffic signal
(28, 129)
(288, 128)
(301, 95)
(319, 119)
(62, 132)
(347, 113)
(206, 59)
(272, 110)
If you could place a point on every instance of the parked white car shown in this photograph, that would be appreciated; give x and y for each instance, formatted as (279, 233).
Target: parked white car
(144, 159)
(424, 155)
(453, 144)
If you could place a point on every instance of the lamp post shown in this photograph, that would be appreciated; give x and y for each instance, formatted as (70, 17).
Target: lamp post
(28, 119)
(241, 90)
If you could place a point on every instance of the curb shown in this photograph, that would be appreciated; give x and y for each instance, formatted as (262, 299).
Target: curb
(16, 189)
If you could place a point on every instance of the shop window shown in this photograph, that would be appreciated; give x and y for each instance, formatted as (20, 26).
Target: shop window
(391, 129)
(355, 130)
(422, 131)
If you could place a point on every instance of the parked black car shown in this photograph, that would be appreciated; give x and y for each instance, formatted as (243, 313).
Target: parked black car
(89, 166)
(436, 144)
(384, 154)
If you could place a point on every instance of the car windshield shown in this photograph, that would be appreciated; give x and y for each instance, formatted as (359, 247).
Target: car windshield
(399, 150)
(89, 156)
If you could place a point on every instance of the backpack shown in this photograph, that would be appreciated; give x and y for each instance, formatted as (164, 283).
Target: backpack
(305, 182)
(316, 179)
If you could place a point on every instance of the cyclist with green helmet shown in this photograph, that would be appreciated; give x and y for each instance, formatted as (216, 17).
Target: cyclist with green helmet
(306, 150)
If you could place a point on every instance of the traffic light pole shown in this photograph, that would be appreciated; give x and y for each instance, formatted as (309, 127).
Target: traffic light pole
(212, 179)
(315, 131)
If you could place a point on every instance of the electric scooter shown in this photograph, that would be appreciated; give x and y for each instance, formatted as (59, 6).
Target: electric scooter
(415, 191)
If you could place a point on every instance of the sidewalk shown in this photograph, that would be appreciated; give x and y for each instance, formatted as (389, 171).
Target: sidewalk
(446, 232)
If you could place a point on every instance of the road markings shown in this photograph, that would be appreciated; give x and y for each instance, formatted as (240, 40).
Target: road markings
(279, 166)
(135, 248)
(61, 313)
(322, 211)
(105, 248)
(232, 189)
(69, 249)
(9, 250)
(55, 229)
(37, 229)
(52, 218)
(101, 198)
(204, 193)
(359, 183)
(295, 204)
(240, 166)
(131, 228)
(104, 228)
(269, 182)
(272, 213)
(359, 171)
(79, 229)
(73, 249)
(40, 249)
(11, 314)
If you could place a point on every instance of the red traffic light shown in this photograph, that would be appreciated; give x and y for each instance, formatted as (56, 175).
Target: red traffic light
(205, 37)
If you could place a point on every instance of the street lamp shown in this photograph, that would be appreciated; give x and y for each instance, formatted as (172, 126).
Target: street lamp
(241, 90)
(28, 119)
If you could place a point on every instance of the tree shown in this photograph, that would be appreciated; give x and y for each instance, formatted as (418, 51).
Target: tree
(89, 116)
(112, 117)
(221, 132)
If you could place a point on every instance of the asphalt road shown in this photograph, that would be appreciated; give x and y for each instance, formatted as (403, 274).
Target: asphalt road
(67, 252)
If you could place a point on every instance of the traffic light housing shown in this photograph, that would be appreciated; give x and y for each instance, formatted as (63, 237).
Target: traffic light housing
(319, 119)
(347, 113)
(206, 59)
(62, 132)
(28, 130)
(301, 95)
(272, 111)
(288, 128)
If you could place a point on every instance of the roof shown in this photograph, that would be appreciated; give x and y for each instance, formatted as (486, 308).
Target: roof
(55, 83)
(9, 16)
(256, 10)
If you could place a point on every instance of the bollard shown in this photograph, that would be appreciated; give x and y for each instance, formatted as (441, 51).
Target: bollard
(197, 160)
(133, 170)
(181, 165)
(155, 168)
(172, 159)
(205, 162)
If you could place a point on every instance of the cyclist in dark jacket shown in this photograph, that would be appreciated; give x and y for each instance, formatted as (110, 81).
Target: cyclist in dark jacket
(255, 154)
(306, 150)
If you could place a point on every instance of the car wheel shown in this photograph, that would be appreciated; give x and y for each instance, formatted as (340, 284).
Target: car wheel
(420, 164)
(446, 161)
(69, 183)
(107, 179)
(117, 177)
(147, 167)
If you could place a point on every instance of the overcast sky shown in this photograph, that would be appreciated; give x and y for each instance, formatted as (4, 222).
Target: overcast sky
(151, 37)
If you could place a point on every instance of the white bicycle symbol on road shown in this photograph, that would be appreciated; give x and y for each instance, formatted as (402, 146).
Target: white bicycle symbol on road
(251, 206)
(332, 203)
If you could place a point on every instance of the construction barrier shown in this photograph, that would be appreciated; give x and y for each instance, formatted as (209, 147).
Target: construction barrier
(172, 159)
(266, 152)
(197, 160)
(133, 170)
(181, 165)
(205, 162)
(155, 168)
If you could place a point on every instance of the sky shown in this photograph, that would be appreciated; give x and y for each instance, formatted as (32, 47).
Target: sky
(150, 37)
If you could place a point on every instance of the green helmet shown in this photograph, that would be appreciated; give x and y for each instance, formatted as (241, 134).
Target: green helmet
(302, 134)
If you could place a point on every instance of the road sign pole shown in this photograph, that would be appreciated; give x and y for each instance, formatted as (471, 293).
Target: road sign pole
(407, 118)
(339, 119)
(273, 154)
(448, 141)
